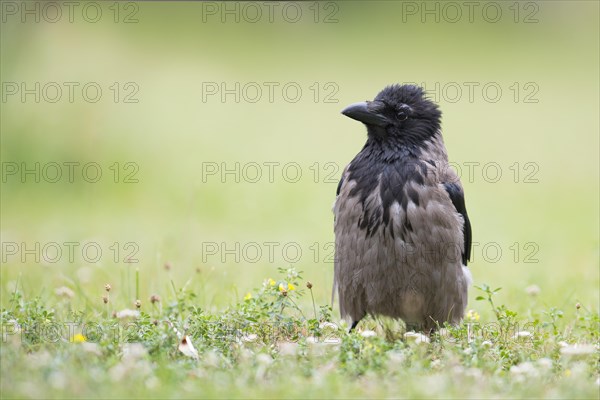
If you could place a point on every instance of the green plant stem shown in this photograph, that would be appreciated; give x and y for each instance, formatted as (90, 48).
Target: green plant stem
(313, 301)
(137, 284)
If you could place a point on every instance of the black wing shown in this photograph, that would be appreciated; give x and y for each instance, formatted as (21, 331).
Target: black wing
(339, 187)
(458, 199)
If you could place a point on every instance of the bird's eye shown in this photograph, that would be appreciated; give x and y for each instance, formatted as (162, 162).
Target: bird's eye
(404, 112)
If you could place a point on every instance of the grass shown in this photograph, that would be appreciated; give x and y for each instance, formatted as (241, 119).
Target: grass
(277, 342)
(545, 230)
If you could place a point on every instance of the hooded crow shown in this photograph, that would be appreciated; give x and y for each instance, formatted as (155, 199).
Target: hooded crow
(402, 234)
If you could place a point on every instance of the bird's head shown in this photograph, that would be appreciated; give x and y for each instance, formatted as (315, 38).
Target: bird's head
(400, 113)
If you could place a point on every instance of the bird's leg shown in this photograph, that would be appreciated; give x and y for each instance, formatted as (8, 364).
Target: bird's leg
(353, 326)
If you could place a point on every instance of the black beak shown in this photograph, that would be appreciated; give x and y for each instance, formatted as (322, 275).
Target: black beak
(367, 112)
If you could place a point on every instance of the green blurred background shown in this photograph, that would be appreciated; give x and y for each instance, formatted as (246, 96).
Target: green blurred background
(352, 51)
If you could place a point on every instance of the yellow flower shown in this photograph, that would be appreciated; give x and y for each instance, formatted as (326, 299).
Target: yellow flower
(472, 315)
(271, 282)
(78, 338)
(248, 296)
(291, 286)
(282, 288)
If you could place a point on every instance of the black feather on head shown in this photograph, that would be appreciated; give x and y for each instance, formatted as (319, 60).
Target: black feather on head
(412, 116)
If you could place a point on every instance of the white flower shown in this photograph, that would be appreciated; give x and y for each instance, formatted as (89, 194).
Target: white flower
(416, 338)
(250, 338)
(458, 370)
(58, 380)
(579, 369)
(473, 373)
(264, 359)
(396, 357)
(212, 359)
(92, 348)
(522, 335)
(533, 290)
(133, 351)
(524, 370)
(246, 354)
(368, 334)
(545, 363)
(118, 371)
(577, 350)
(288, 348)
(127, 313)
(65, 292)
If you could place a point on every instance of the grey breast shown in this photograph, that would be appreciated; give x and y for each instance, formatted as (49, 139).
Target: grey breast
(409, 268)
